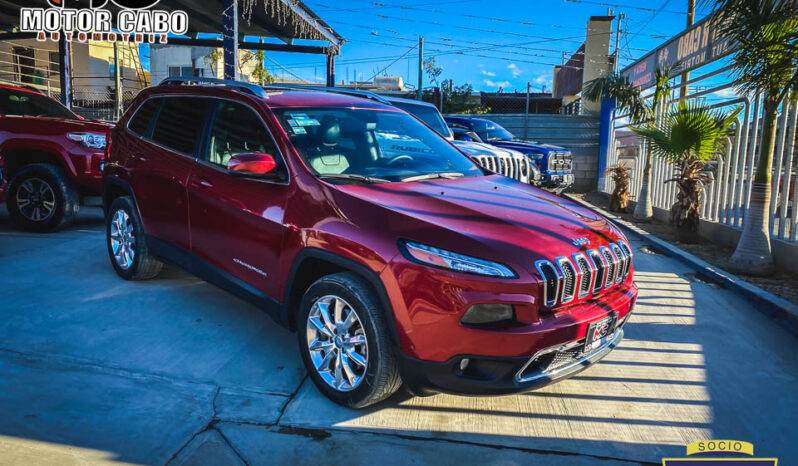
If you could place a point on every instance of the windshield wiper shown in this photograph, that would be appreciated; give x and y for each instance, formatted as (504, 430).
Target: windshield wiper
(433, 176)
(353, 177)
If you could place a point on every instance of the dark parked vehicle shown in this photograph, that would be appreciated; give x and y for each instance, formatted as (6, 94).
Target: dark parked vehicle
(50, 159)
(417, 268)
(555, 163)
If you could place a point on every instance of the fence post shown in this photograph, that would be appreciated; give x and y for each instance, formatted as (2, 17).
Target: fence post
(605, 128)
(118, 82)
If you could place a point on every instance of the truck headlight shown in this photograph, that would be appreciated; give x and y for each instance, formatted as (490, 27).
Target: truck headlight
(90, 140)
(441, 258)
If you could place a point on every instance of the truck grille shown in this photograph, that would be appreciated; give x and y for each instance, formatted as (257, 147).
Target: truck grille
(577, 277)
(511, 167)
(560, 162)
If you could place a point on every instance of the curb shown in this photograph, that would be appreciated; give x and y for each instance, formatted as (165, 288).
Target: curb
(779, 310)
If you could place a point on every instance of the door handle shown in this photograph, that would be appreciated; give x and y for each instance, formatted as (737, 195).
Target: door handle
(141, 158)
(205, 183)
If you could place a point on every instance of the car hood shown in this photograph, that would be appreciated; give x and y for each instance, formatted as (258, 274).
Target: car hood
(526, 147)
(491, 217)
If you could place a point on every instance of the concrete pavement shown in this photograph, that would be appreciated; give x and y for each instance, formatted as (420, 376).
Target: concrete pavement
(96, 369)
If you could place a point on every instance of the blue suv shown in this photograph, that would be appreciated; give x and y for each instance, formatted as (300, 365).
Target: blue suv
(555, 162)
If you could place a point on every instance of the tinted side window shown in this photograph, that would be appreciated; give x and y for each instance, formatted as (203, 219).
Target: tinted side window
(27, 104)
(140, 124)
(237, 129)
(180, 123)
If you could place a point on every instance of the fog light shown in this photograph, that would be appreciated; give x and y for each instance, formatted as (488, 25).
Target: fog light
(481, 314)
(464, 364)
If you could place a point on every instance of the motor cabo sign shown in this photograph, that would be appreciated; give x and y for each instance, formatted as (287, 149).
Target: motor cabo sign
(89, 20)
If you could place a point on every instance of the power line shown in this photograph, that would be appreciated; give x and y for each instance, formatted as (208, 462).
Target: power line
(391, 64)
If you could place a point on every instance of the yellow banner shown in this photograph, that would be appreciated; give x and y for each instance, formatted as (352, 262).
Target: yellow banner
(709, 446)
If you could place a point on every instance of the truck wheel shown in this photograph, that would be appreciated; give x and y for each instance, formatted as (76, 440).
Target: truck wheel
(127, 246)
(344, 341)
(41, 198)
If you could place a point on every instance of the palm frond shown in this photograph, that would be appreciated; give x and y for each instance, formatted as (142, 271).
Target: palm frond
(692, 133)
(765, 36)
(614, 86)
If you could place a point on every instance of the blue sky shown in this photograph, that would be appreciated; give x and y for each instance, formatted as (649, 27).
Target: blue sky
(485, 43)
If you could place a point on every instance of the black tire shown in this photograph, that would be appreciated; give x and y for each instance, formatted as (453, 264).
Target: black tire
(144, 266)
(60, 197)
(381, 377)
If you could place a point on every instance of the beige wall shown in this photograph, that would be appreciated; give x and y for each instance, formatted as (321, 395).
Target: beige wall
(597, 50)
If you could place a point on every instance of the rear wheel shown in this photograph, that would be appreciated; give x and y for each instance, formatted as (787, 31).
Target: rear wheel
(41, 198)
(344, 341)
(127, 246)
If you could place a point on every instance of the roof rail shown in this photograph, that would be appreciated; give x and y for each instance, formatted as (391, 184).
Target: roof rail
(253, 89)
(334, 90)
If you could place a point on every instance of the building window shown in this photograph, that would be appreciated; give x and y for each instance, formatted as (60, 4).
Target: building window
(185, 71)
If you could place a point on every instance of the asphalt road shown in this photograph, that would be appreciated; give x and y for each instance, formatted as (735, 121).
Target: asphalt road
(96, 369)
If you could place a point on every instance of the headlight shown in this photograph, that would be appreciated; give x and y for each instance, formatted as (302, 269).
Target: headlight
(435, 257)
(90, 140)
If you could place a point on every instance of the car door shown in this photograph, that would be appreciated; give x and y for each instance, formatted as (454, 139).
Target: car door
(237, 223)
(161, 163)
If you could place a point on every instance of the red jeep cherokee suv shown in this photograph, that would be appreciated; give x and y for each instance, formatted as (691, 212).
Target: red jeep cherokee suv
(49, 159)
(393, 267)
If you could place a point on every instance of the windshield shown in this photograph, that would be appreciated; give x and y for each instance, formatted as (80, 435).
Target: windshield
(428, 115)
(27, 104)
(367, 145)
(490, 131)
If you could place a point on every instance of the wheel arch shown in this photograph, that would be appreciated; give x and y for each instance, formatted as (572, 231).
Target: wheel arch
(19, 153)
(312, 264)
(114, 187)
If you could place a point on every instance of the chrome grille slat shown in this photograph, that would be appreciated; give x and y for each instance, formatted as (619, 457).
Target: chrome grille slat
(601, 269)
(621, 262)
(551, 282)
(569, 278)
(586, 275)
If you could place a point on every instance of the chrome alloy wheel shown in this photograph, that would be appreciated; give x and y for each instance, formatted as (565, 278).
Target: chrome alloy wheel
(36, 199)
(123, 239)
(337, 343)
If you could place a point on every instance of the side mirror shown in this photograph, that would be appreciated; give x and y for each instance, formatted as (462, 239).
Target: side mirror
(254, 164)
(463, 137)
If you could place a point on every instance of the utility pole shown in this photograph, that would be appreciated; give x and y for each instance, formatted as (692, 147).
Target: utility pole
(617, 58)
(690, 21)
(420, 95)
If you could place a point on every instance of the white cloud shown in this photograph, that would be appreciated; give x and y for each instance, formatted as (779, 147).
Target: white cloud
(503, 84)
(514, 70)
(727, 93)
(488, 73)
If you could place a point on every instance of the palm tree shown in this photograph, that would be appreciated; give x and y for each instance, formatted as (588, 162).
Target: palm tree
(765, 35)
(627, 98)
(689, 138)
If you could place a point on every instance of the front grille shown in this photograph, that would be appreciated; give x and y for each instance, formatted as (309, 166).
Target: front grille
(585, 273)
(628, 252)
(569, 279)
(551, 282)
(601, 270)
(511, 167)
(612, 266)
(621, 262)
(576, 277)
(560, 162)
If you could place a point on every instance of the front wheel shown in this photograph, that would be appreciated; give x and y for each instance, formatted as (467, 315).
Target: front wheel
(41, 198)
(344, 341)
(127, 245)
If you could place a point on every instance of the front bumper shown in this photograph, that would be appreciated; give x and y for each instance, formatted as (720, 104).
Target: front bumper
(501, 376)
(558, 180)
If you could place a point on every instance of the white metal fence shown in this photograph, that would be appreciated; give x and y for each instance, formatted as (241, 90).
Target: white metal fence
(727, 198)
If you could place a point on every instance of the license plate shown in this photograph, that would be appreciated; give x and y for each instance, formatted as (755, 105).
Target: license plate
(598, 333)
